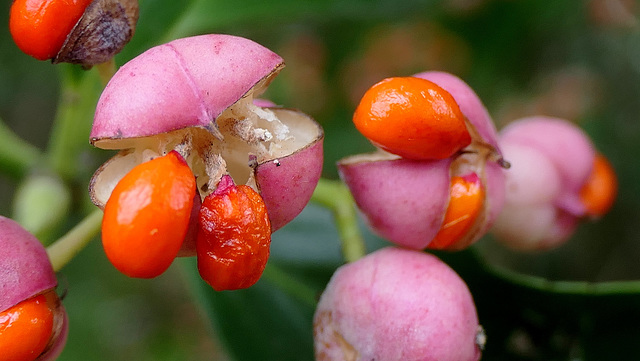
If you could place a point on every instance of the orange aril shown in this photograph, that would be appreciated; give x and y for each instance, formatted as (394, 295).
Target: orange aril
(26, 329)
(234, 237)
(465, 204)
(147, 216)
(601, 188)
(40, 27)
(413, 118)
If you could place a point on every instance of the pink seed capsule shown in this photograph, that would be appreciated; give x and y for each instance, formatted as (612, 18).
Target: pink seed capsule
(552, 185)
(406, 201)
(203, 107)
(397, 305)
(33, 322)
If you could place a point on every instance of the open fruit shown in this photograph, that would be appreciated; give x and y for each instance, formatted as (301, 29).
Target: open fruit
(195, 96)
(407, 201)
(33, 322)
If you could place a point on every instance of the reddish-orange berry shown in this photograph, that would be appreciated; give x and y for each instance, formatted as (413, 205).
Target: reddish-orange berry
(413, 118)
(465, 204)
(147, 216)
(40, 27)
(234, 237)
(26, 328)
(601, 188)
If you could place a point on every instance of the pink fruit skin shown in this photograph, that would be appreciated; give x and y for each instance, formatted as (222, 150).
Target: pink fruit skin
(396, 305)
(186, 82)
(469, 103)
(551, 160)
(25, 270)
(566, 145)
(286, 186)
(402, 200)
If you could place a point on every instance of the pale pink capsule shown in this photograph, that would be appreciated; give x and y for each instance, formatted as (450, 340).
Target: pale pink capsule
(551, 161)
(397, 305)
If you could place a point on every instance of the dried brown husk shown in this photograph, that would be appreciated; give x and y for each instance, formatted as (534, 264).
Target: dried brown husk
(103, 30)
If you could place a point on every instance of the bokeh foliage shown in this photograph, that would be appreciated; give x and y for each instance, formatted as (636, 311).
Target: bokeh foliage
(575, 60)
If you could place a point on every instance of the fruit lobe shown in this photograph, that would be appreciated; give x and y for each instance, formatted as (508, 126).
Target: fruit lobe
(147, 216)
(413, 118)
(234, 237)
(40, 27)
(599, 192)
(194, 89)
(26, 329)
(465, 205)
(25, 270)
(396, 305)
(402, 200)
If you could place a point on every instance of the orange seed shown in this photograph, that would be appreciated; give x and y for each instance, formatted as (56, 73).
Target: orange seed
(147, 216)
(465, 204)
(413, 118)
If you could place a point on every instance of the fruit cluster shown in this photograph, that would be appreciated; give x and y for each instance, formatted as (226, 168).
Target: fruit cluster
(437, 181)
(188, 136)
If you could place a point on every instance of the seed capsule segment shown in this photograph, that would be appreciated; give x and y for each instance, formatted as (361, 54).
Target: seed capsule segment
(147, 216)
(234, 237)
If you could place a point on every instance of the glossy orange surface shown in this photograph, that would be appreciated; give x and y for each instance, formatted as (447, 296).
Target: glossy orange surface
(413, 118)
(465, 204)
(26, 329)
(147, 216)
(599, 192)
(234, 238)
(40, 27)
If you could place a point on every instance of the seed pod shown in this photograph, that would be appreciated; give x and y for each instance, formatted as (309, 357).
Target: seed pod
(202, 106)
(406, 201)
(27, 283)
(556, 180)
(397, 305)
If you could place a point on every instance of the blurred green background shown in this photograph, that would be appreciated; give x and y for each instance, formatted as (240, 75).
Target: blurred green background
(578, 60)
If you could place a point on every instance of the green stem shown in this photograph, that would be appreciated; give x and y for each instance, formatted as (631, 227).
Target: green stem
(72, 124)
(335, 196)
(106, 70)
(68, 246)
(16, 155)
